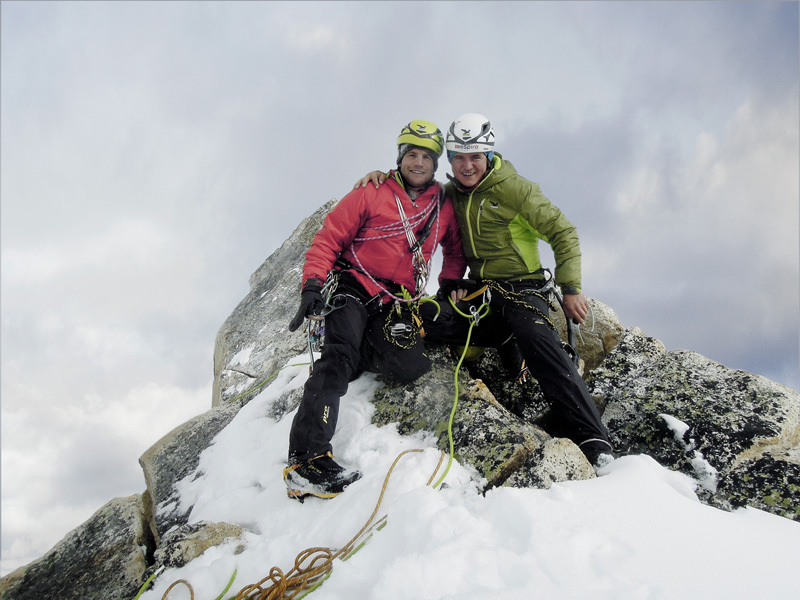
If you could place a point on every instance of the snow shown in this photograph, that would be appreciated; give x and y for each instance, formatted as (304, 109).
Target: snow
(241, 357)
(707, 476)
(638, 531)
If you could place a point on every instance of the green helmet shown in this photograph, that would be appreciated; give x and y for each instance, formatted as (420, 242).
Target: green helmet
(423, 134)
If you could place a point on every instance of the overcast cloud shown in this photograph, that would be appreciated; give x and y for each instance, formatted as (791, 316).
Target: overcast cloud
(155, 153)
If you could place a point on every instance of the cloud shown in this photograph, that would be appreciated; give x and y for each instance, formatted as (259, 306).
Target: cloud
(709, 244)
(65, 458)
(131, 244)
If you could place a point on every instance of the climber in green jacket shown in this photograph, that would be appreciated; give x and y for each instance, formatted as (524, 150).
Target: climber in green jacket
(501, 217)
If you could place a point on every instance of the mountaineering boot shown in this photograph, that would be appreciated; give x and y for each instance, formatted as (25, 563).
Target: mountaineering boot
(599, 453)
(320, 476)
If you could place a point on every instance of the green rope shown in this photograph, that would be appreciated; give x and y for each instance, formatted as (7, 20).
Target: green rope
(227, 587)
(438, 307)
(147, 583)
(479, 314)
(315, 586)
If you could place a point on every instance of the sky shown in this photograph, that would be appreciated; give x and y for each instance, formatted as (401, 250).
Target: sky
(636, 532)
(153, 155)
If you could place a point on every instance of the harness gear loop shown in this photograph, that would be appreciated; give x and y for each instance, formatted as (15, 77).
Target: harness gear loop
(521, 298)
(476, 293)
(402, 330)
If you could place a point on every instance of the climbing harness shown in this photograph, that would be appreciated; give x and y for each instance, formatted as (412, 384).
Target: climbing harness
(403, 325)
(510, 294)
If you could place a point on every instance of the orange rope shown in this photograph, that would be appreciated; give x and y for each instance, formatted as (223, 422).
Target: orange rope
(312, 566)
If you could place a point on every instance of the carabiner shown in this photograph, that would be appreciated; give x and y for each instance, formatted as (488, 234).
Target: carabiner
(476, 316)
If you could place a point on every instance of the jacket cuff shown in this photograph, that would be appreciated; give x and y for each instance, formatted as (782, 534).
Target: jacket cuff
(313, 283)
(568, 290)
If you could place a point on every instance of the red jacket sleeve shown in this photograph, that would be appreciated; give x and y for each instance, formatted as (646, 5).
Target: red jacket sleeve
(337, 233)
(454, 263)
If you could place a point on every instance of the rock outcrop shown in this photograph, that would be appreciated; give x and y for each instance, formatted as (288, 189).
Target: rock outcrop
(254, 341)
(735, 432)
(106, 557)
(738, 434)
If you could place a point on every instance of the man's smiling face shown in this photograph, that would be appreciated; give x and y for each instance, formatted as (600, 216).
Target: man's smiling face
(417, 168)
(469, 169)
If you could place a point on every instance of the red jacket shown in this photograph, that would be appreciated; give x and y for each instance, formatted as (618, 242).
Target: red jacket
(365, 229)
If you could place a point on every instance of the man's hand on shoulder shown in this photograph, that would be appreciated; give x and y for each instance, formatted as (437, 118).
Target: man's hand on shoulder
(375, 177)
(576, 307)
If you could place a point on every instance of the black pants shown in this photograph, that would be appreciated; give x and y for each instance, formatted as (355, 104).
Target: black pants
(510, 320)
(354, 342)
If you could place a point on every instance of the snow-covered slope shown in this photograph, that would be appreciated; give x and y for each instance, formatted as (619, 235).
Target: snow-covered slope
(636, 532)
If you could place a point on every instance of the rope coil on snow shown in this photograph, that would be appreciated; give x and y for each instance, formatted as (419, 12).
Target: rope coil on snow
(312, 566)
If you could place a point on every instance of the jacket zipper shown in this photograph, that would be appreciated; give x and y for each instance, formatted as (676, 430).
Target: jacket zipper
(477, 223)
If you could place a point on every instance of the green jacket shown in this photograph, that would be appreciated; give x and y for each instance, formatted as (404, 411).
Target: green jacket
(501, 222)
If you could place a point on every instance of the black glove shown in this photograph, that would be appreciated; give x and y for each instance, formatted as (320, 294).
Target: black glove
(450, 285)
(311, 303)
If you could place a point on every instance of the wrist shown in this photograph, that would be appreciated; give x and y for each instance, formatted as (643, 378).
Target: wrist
(312, 283)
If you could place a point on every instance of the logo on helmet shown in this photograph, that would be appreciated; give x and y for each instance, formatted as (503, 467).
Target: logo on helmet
(471, 132)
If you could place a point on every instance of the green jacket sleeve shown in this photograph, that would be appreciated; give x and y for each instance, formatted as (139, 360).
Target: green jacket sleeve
(556, 230)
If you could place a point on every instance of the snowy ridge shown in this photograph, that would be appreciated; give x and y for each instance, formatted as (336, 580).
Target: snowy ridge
(636, 532)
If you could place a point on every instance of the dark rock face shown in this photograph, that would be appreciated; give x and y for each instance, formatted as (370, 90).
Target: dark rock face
(174, 457)
(104, 558)
(769, 481)
(746, 427)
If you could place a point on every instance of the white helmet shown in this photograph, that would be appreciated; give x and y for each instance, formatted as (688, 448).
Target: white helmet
(470, 133)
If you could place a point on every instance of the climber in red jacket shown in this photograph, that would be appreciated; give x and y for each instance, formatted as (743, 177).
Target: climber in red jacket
(364, 274)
